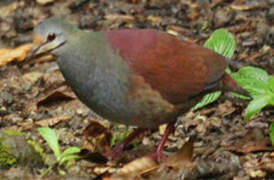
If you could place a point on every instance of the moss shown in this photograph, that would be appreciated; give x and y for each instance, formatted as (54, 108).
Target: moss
(7, 159)
(38, 149)
(15, 150)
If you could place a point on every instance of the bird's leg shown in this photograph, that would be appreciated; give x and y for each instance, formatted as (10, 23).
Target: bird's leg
(169, 129)
(117, 150)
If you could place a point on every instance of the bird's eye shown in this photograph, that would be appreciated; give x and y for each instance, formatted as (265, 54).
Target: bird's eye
(51, 36)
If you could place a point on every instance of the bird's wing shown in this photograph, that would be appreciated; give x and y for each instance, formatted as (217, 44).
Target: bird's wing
(177, 69)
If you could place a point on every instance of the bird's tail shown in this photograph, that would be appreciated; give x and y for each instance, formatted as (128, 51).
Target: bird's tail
(229, 84)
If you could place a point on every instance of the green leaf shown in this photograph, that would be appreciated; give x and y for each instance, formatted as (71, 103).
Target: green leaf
(253, 73)
(11, 132)
(119, 134)
(255, 106)
(207, 99)
(222, 42)
(254, 80)
(271, 84)
(71, 150)
(271, 134)
(50, 137)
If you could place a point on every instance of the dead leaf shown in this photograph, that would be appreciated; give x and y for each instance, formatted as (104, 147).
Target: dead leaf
(58, 94)
(247, 7)
(253, 141)
(99, 136)
(154, 19)
(138, 167)
(114, 17)
(20, 53)
(53, 121)
(182, 158)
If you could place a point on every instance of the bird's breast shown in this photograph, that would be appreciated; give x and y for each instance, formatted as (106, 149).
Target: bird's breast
(104, 82)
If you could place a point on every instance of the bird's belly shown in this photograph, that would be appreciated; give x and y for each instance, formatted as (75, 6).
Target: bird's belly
(141, 107)
(135, 112)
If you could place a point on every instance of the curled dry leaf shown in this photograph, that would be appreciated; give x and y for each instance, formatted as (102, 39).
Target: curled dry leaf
(61, 93)
(114, 17)
(138, 167)
(253, 141)
(20, 53)
(53, 121)
(182, 158)
(98, 135)
(243, 7)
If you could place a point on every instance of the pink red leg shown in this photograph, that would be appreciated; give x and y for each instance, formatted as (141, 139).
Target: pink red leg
(116, 151)
(170, 129)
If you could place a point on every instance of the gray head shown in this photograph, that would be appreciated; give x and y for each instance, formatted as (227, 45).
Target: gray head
(51, 34)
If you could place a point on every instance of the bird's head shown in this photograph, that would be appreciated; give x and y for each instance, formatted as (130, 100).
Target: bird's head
(50, 35)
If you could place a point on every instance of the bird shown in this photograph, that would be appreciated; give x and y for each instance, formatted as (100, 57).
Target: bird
(137, 77)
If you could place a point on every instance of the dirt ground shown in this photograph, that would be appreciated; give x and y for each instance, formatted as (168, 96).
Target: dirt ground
(34, 94)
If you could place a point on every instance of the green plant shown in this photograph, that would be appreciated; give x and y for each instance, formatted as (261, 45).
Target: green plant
(222, 42)
(259, 85)
(255, 81)
(61, 157)
(271, 129)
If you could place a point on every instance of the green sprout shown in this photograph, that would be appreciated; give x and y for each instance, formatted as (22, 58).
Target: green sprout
(259, 85)
(222, 42)
(272, 133)
(255, 81)
(61, 157)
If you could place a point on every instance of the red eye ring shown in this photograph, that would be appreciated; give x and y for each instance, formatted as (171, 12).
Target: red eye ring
(51, 36)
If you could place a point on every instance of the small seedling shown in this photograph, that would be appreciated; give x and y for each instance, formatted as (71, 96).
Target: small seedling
(272, 133)
(259, 85)
(61, 157)
(255, 81)
(222, 42)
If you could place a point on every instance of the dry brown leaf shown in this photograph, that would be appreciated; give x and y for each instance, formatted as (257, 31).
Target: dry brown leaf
(121, 178)
(182, 158)
(53, 121)
(119, 17)
(253, 141)
(58, 94)
(20, 53)
(138, 167)
(154, 19)
(99, 135)
(246, 7)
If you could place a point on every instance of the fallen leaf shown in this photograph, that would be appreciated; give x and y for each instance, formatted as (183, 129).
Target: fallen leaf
(182, 158)
(20, 53)
(58, 94)
(138, 167)
(99, 136)
(53, 121)
(253, 141)
(247, 7)
(119, 17)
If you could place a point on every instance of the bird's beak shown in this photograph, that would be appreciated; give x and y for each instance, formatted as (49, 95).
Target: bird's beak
(40, 46)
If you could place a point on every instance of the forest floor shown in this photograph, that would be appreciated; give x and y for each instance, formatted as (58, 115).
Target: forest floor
(34, 94)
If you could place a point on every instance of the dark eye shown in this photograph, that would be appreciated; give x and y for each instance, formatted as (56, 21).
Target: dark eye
(51, 36)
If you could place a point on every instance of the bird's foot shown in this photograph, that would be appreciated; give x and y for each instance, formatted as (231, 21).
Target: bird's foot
(118, 150)
(115, 152)
(158, 155)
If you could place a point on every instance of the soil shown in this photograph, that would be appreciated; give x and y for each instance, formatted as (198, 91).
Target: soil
(34, 94)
